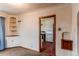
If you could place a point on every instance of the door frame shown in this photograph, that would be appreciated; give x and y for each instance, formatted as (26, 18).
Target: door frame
(54, 30)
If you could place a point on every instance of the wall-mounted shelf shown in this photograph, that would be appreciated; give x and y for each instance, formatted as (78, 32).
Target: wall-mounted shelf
(12, 26)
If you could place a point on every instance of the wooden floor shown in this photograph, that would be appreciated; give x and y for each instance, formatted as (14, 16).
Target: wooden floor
(20, 51)
(47, 48)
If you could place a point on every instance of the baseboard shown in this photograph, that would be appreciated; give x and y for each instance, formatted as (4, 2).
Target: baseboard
(30, 49)
(21, 47)
(13, 47)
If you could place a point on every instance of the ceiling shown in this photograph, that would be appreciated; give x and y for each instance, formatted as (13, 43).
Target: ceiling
(18, 8)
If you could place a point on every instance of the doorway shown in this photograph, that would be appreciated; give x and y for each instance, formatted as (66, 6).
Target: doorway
(47, 35)
(2, 33)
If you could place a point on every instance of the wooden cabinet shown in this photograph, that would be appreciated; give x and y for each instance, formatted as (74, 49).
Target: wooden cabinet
(66, 44)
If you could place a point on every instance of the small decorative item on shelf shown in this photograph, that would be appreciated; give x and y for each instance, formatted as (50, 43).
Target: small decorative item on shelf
(19, 21)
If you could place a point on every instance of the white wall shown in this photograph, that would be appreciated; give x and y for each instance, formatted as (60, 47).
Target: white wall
(29, 29)
(75, 10)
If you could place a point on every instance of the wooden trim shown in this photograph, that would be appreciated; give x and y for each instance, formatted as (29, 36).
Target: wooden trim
(54, 35)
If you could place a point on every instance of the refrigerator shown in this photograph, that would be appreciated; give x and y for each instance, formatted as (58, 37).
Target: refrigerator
(2, 33)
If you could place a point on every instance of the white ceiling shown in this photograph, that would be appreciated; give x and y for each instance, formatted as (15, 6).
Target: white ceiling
(11, 8)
